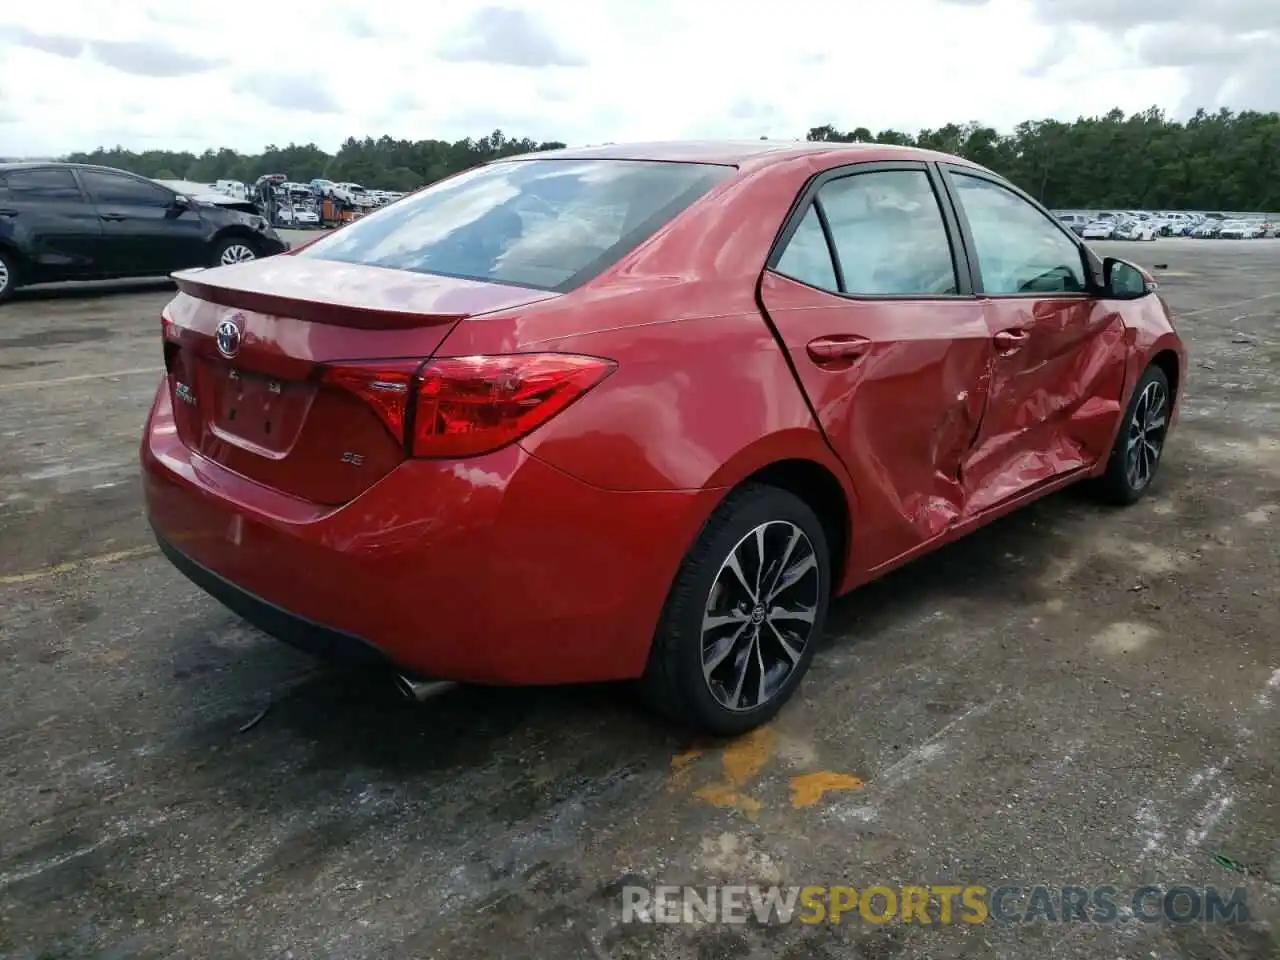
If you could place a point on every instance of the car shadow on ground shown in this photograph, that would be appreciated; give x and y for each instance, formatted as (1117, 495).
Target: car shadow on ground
(1001, 562)
(357, 719)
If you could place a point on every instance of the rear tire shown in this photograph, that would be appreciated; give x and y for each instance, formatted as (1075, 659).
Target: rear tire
(8, 275)
(234, 250)
(1139, 445)
(744, 615)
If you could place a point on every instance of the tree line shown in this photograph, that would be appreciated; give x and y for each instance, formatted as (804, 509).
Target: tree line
(1213, 161)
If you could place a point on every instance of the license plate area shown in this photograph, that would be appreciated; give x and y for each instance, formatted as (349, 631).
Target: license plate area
(258, 412)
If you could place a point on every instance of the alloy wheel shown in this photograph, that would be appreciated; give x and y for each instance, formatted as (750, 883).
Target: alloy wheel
(1147, 430)
(237, 253)
(5, 276)
(759, 616)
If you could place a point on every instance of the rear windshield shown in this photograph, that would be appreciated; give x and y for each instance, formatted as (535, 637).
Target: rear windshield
(546, 224)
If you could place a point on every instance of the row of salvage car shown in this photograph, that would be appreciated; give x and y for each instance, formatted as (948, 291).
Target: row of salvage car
(1135, 225)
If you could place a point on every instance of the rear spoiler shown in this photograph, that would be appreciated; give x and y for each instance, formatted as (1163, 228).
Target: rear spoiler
(195, 284)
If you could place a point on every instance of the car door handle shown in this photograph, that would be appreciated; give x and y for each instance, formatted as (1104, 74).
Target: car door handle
(1007, 341)
(837, 347)
(113, 216)
(7, 212)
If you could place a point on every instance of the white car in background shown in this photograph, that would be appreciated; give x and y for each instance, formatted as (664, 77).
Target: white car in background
(1136, 230)
(1240, 230)
(351, 193)
(1099, 230)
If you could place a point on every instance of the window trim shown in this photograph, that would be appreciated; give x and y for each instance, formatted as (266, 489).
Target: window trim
(1088, 262)
(80, 175)
(18, 198)
(808, 197)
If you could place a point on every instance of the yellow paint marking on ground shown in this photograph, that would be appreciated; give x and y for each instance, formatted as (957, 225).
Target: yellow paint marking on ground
(807, 789)
(682, 760)
(58, 568)
(682, 768)
(1174, 273)
(722, 795)
(747, 755)
(740, 761)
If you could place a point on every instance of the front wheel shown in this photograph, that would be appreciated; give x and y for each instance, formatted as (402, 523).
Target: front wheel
(744, 615)
(1139, 444)
(234, 250)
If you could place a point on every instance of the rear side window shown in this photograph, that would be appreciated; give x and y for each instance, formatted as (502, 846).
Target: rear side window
(546, 224)
(43, 184)
(889, 234)
(807, 257)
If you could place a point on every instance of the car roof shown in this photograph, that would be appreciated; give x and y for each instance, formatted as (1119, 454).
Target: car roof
(62, 164)
(739, 153)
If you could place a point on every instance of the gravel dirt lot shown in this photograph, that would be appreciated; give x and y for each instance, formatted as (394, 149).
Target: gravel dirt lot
(1073, 695)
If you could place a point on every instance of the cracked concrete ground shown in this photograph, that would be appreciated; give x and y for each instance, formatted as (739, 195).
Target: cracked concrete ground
(1073, 695)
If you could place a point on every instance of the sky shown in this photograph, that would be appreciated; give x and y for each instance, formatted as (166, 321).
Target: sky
(183, 74)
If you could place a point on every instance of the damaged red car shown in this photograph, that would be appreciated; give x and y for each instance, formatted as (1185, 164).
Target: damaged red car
(640, 412)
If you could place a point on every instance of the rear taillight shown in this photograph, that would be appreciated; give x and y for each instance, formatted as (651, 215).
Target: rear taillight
(384, 387)
(466, 406)
(456, 407)
(170, 339)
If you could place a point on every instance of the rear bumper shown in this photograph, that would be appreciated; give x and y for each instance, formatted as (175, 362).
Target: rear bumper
(500, 569)
(313, 638)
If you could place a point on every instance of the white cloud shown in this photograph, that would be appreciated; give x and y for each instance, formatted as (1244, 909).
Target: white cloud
(75, 74)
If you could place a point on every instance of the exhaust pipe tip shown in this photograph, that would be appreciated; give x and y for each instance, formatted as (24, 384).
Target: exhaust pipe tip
(421, 690)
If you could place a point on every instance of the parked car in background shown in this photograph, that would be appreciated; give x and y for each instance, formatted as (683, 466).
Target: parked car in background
(1099, 230)
(1237, 230)
(1207, 229)
(1135, 230)
(1075, 222)
(511, 499)
(351, 193)
(69, 221)
(232, 188)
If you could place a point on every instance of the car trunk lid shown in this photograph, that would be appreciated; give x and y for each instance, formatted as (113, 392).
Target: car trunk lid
(295, 373)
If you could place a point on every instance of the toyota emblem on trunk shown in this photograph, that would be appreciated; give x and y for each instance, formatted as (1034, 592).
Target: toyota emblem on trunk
(228, 338)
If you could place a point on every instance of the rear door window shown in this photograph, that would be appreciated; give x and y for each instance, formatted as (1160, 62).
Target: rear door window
(889, 236)
(546, 224)
(44, 185)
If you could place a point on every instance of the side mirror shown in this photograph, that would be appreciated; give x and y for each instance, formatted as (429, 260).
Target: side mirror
(1123, 280)
(180, 201)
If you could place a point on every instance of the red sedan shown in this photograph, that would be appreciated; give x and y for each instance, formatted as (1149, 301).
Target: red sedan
(642, 411)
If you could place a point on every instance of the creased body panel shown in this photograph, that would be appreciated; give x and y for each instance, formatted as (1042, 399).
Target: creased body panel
(903, 415)
(1054, 401)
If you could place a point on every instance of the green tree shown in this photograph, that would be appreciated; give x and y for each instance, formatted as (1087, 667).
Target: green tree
(1213, 161)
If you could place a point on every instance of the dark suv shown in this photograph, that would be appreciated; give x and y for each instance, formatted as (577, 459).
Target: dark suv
(71, 221)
